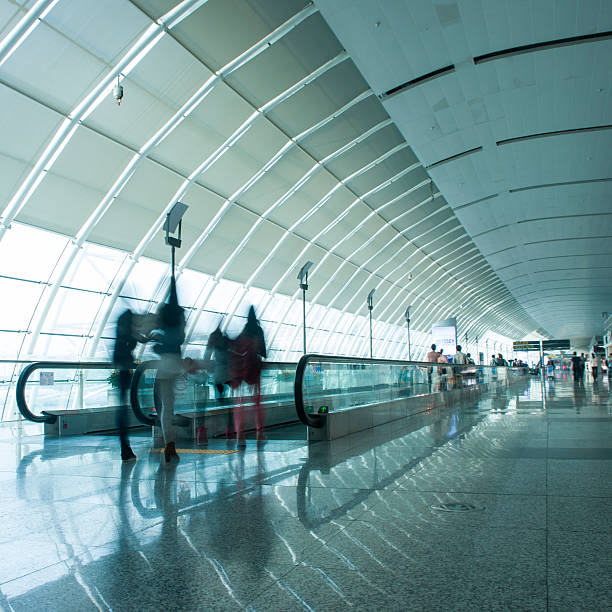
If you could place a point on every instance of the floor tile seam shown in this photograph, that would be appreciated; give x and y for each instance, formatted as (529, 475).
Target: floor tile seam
(556, 530)
(39, 569)
(448, 525)
(496, 494)
(573, 495)
(251, 600)
(486, 492)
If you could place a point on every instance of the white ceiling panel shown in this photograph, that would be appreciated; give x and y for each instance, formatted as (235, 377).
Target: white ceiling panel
(94, 26)
(531, 197)
(60, 76)
(78, 43)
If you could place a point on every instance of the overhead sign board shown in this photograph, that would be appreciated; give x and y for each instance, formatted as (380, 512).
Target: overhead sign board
(556, 345)
(547, 345)
(526, 345)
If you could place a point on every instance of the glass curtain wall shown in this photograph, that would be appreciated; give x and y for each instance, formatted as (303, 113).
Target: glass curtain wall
(31, 259)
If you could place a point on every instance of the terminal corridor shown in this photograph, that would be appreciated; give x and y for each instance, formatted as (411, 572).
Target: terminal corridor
(500, 504)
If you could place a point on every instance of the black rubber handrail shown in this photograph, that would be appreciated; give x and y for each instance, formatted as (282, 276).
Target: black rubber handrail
(312, 420)
(46, 417)
(153, 364)
(134, 399)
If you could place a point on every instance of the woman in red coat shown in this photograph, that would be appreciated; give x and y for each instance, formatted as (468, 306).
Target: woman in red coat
(249, 350)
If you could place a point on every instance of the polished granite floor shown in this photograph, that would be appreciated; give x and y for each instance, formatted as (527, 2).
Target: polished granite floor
(353, 524)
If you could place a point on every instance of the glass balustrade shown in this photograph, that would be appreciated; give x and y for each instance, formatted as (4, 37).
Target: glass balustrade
(196, 392)
(327, 384)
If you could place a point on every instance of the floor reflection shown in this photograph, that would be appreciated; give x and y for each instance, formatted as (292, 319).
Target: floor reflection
(86, 531)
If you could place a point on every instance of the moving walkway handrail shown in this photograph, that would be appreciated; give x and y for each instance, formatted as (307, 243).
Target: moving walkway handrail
(46, 417)
(153, 364)
(317, 420)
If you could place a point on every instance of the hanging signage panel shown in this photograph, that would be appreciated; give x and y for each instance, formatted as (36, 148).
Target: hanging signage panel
(556, 345)
(444, 335)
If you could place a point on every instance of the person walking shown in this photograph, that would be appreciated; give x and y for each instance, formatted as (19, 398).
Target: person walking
(582, 366)
(442, 371)
(123, 359)
(171, 326)
(459, 358)
(217, 354)
(432, 356)
(576, 365)
(595, 365)
(251, 348)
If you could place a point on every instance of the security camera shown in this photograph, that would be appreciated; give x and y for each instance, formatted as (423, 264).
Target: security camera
(118, 93)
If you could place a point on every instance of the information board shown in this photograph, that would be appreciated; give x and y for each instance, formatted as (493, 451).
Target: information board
(444, 334)
(526, 345)
(46, 379)
(547, 345)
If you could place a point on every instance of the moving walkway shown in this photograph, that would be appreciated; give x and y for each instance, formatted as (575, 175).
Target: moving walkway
(331, 395)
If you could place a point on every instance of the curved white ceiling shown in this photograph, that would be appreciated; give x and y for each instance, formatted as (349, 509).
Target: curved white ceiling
(254, 115)
(518, 141)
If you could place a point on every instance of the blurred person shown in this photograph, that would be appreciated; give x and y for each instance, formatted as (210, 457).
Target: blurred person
(433, 355)
(442, 371)
(131, 329)
(469, 360)
(170, 338)
(576, 365)
(216, 354)
(123, 358)
(459, 358)
(500, 361)
(595, 365)
(582, 366)
(250, 349)
(493, 360)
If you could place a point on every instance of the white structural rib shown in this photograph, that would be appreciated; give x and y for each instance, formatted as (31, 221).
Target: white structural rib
(275, 159)
(320, 323)
(440, 297)
(296, 294)
(403, 263)
(172, 18)
(279, 202)
(205, 165)
(318, 165)
(388, 226)
(407, 273)
(151, 36)
(326, 229)
(25, 26)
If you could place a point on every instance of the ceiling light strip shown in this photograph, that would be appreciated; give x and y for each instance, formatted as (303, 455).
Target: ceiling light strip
(540, 46)
(561, 184)
(417, 81)
(25, 26)
(129, 60)
(593, 128)
(453, 157)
